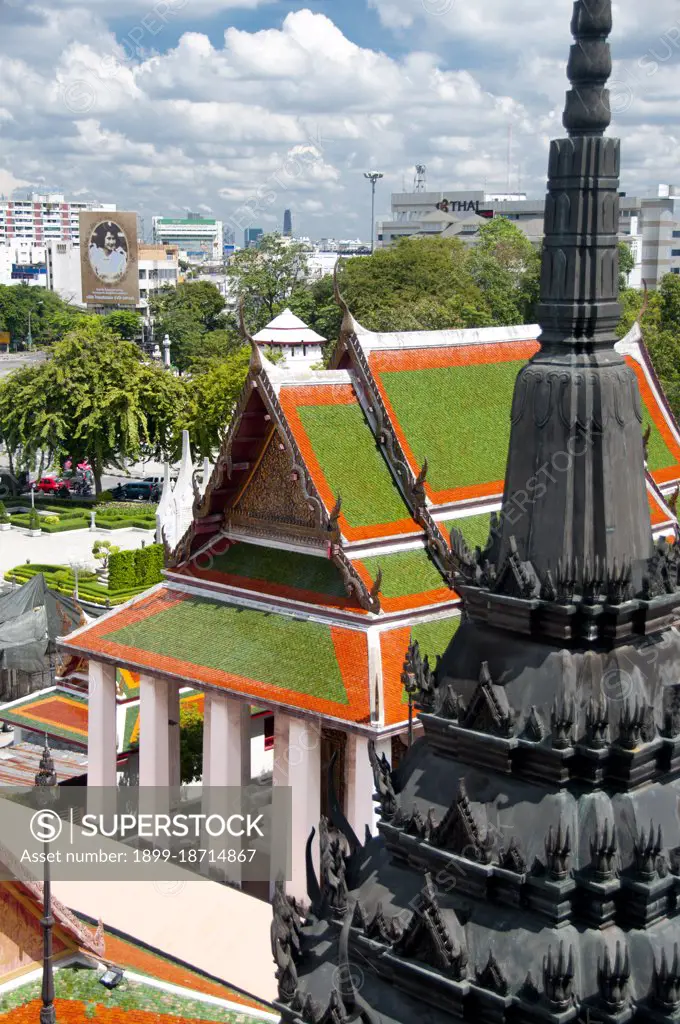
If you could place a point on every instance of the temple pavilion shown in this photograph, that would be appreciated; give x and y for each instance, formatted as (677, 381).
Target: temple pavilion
(528, 864)
(317, 548)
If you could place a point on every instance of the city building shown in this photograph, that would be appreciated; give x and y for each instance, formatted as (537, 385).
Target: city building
(527, 868)
(649, 225)
(287, 223)
(158, 268)
(22, 262)
(62, 263)
(41, 218)
(251, 236)
(197, 238)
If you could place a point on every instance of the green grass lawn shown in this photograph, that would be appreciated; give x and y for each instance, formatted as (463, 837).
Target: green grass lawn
(275, 649)
(405, 573)
(352, 464)
(458, 417)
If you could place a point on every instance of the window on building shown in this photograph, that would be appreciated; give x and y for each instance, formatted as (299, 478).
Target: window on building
(676, 234)
(142, 275)
(675, 270)
(675, 252)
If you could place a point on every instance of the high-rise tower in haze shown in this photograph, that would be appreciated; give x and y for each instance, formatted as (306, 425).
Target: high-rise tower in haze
(287, 223)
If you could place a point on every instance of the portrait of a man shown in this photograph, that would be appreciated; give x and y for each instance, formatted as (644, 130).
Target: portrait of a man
(108, 252)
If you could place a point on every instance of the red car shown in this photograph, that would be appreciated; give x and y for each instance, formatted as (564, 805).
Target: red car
(48, 485)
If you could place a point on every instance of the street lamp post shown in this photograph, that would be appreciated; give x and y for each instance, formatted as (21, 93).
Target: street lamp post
(373, 177)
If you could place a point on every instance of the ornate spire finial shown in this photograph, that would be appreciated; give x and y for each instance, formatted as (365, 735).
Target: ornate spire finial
(587, 110)
(46, 775)
(347, 323)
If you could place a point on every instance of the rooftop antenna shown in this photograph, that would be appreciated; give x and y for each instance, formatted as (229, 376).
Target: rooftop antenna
(419, 178)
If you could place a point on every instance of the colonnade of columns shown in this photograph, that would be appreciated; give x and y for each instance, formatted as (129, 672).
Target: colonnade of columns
(226, 756)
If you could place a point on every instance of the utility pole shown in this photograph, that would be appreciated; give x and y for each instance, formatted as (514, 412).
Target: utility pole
(46, 786)
(373, 177)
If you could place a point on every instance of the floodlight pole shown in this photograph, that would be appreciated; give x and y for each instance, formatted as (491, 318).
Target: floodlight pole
(373, 177)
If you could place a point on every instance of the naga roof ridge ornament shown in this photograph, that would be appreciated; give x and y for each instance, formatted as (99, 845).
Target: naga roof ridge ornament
(255, 355)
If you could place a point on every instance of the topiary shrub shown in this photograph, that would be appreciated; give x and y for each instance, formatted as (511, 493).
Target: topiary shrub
(149, 563)
(122, 575)
(50, 520)
(105, 497)
(33, 520)
(4, 515)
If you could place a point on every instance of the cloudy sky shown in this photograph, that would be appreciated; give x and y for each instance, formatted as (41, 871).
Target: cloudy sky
(245, 107)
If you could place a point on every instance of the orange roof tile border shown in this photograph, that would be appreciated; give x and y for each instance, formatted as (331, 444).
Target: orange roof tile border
(670, 474)
(70, 1011)
(351, 651)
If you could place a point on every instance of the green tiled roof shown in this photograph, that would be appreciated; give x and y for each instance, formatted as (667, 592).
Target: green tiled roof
(405, 573)
(475, 529)
(658, 454)
(433, 639)
(306, 572)
(352, 464)
(274, 649)
(458, 417)
(83, 986)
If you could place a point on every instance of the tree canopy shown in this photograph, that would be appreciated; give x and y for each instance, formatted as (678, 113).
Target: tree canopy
(95, 398)
(51, 317)
(265, 276)
(189, 314)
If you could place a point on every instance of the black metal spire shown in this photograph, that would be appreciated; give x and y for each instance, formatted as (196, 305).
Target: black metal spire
(590, 65)
(575, 484)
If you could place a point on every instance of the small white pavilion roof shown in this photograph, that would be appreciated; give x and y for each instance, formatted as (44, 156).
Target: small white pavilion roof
(287, 329)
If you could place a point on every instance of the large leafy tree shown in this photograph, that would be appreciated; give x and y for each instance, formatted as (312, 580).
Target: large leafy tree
(188, 314)
(506, 266)
(265, 276)
(659, 316)
(211, 398)
(95, 398)
(51, 317)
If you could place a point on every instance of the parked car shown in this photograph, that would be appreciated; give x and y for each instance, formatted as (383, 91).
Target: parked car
(136, 490)
(159, 481)
(49, 485)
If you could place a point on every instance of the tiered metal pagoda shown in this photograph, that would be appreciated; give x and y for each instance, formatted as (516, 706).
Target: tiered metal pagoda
(528, 867)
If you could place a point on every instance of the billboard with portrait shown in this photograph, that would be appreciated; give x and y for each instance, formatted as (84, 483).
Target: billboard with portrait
(108, 258)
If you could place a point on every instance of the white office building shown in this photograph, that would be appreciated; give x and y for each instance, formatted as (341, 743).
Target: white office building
(44, 217)
(198, 239)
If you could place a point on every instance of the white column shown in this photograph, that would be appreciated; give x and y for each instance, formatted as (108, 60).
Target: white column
(154, 745)
(360, 786)
(173, 735)
(297, 763)
(224, 761)
(101, 725)
(224, 768)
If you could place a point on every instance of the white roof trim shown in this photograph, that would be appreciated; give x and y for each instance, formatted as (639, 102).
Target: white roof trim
(372, 341)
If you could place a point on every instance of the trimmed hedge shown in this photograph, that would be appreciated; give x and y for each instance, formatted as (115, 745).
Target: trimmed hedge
(122, 573)
(61, 579)
(136, 569)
